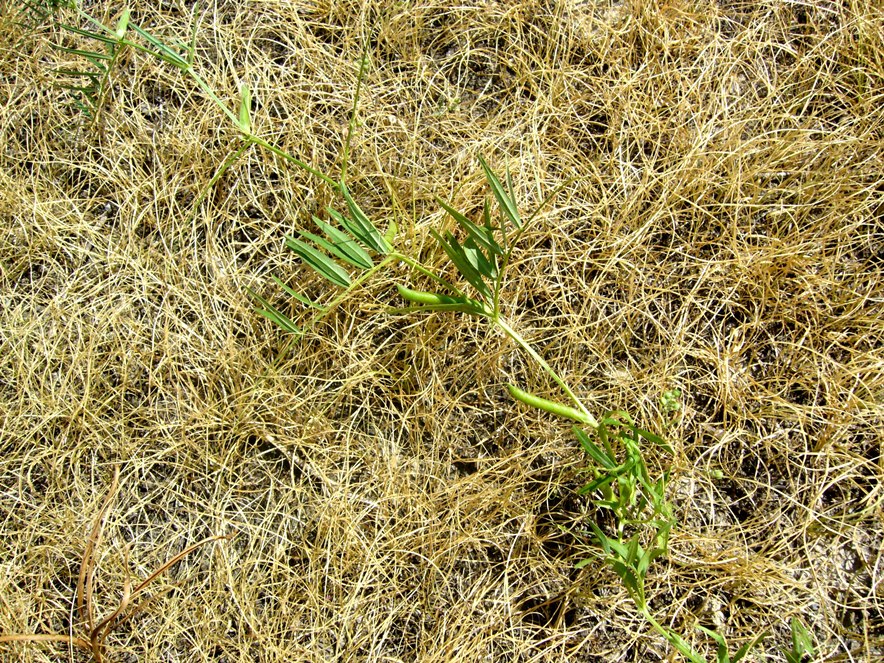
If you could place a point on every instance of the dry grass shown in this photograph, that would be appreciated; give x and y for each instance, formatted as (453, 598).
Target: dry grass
(391, 502)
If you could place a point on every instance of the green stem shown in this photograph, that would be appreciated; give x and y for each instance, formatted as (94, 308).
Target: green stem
(672, 637)
(228, 162)
(513, 334)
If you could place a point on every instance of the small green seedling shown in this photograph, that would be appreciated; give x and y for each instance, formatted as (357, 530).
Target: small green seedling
(802, 644)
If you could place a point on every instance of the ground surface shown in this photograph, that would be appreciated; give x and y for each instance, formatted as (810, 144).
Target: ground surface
(723, 236)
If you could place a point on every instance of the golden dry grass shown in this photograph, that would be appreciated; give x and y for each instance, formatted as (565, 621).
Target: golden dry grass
(391, 503)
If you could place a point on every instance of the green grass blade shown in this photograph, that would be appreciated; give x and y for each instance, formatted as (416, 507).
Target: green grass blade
(651, 437)
(321, 263)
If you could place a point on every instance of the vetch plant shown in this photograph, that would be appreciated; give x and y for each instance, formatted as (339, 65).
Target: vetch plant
(347, 248)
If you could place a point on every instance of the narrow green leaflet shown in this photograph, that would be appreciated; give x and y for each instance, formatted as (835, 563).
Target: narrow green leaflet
(273, 314)
(507, 204)
(456, 254)
(742, 651)
(483, 236)
(346, 244)
(331, 248)
(369, 234)
(802, 643)
(320, 262)
(593, 451)
(301, 298)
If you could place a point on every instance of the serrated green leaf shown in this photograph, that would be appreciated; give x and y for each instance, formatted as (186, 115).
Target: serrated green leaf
(506, 203)
(319, 262)
(627, 576)
(621, 549)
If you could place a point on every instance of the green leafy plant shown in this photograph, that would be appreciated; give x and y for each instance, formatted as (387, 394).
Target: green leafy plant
(347, 248)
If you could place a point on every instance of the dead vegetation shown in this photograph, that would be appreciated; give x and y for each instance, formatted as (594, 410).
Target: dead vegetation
(724, 236)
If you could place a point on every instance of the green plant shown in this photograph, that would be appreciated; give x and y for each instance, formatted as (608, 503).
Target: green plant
(347, 248)
(802, 643)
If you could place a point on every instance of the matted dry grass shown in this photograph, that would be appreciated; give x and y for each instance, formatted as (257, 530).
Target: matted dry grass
(391, 503)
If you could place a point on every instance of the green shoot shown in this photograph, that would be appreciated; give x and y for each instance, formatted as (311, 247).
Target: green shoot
(802, 643)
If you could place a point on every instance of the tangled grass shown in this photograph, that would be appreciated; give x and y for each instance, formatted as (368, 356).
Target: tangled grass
(390, 502)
